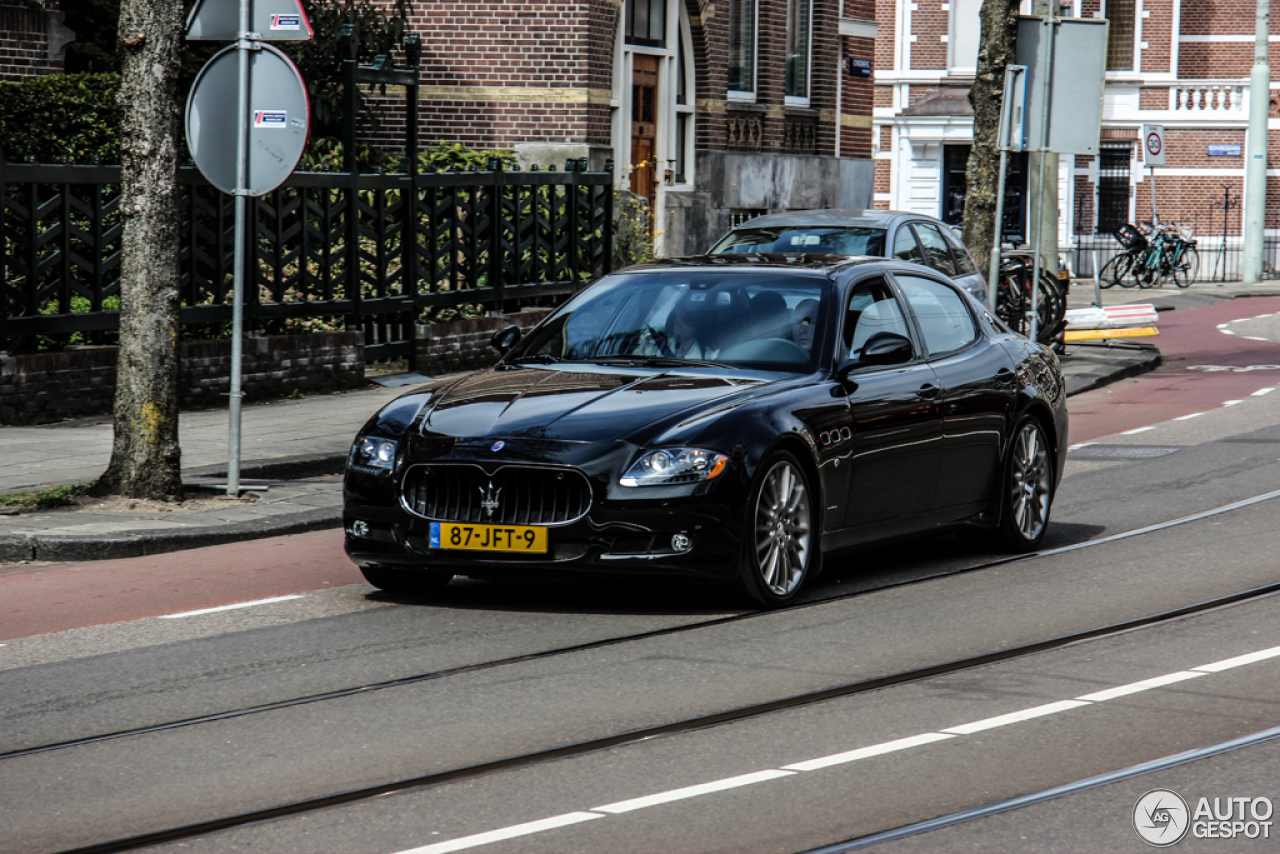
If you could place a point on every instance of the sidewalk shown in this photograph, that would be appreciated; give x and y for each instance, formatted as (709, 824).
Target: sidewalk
(297, 449)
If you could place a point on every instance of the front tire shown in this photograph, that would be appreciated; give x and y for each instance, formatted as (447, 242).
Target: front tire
(780, 547)
(1027, 490)
(406, 582)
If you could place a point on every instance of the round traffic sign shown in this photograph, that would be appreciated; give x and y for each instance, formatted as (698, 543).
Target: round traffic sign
(276, 122)
(1154, 144)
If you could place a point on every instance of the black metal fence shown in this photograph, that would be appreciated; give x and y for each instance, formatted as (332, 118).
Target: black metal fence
(359, 251)
(1218, 259)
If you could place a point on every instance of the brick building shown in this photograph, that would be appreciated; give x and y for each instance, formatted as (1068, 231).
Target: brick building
(713, 111)
(32, 39)
(1183, 64)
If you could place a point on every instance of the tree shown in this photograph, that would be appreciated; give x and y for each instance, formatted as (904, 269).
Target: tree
(995, 50)
(145, 455)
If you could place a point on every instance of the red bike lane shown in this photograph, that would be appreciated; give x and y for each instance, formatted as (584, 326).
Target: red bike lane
(41, 599)
(1202, 367)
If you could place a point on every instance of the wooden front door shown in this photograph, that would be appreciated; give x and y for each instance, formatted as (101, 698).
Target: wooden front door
(644, 94)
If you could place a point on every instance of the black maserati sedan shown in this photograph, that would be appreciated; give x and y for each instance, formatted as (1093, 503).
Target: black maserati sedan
(732, 418)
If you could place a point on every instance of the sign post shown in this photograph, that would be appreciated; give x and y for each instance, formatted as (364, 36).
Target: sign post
(1153, 154)
(255, 89)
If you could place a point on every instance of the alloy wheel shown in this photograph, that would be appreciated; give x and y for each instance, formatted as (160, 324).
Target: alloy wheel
(1030, 483)
(783, 529)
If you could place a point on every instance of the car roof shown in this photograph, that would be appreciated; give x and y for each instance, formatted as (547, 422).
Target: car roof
(834, 217)
(828, 264)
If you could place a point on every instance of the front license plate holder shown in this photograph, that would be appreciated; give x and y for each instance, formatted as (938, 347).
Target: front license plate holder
(517, 539)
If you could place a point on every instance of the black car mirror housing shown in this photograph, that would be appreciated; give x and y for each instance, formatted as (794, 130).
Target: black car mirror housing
(881, 349)
(504, 339)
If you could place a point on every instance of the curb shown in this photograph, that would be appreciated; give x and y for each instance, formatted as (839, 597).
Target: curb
(1088, 382)
(126, 544)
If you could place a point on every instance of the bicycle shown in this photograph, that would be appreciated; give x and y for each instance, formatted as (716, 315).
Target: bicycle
(1169, 253)
(1116, 271)
(1013, 298)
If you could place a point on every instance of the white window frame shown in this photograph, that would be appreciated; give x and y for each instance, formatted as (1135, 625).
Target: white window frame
(741, 94)
(952, 67)
(806, 99)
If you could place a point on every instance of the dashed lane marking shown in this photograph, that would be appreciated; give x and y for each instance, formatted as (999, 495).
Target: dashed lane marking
(230, 607)
(739, 781)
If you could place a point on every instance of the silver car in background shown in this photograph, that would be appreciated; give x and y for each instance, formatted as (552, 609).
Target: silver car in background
(880, 234)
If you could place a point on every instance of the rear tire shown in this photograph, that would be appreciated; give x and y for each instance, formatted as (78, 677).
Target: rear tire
(780, 540)
(406, 582)
(1027, 488)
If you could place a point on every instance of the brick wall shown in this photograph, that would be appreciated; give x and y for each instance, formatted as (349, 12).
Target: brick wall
(463, 345)
(497, 74)
(24, 40)
(38, 388)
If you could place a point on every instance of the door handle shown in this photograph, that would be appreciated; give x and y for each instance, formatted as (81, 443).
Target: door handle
(928, 391)
(1005, 375)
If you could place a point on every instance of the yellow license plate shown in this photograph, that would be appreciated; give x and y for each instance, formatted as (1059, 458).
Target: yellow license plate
(488, 538)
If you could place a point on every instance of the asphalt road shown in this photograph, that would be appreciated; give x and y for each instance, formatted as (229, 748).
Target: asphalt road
(648, 718)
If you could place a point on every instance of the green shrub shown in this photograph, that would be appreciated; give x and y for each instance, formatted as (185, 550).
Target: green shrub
(61, 115)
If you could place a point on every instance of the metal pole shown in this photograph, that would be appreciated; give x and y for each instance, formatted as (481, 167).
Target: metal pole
(994, 282)
(1255, 194)
(241, 190)
(1046, 71)
(1155, 213)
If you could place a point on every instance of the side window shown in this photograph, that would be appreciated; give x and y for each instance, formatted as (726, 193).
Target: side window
(872, 309)
(905, 246)
(964, 263)
(945, 323)
(936, 252)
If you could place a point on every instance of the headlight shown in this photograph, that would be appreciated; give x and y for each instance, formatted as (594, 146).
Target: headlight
(374, 452)
(671, 466)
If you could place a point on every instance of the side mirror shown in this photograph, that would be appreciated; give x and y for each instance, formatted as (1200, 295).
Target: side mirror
(883, 348)
(504, 339)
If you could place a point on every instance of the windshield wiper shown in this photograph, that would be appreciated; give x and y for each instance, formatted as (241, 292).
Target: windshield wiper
(540, 359)
(655, 362)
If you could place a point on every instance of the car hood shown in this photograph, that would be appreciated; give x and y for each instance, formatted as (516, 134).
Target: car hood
(583, 404)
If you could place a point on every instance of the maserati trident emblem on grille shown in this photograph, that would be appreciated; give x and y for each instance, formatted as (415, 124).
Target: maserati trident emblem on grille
(489, 499)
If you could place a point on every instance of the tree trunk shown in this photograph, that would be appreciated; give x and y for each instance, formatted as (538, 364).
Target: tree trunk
(145, 456)
(995, 51)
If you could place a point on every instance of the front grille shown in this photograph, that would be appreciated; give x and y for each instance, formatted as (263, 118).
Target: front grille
(512, 495)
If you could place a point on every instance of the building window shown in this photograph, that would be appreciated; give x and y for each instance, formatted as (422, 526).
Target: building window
(1120, 16)
(799, 44)
(966, 28)
(684, 108)
(646, 22)
(1113, 186)
(742, 47)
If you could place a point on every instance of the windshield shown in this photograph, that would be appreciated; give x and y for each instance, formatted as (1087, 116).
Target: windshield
(846, 240)
(747, 319)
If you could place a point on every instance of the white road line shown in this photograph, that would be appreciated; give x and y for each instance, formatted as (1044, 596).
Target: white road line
(1186, 417)
(1015, 717)
(1144, 685)
(1260, 392)
(1139, 430)
(691, 791)
(230, 607)
(864, 752)
(512, 832)
(1232, 402)
(1239, 660)
(1077, 447)
(1224, 325)
(567, 819)
(1252, 338)
(1228, 332)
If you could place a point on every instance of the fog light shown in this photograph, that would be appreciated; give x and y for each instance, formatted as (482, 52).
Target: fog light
(681, 543)
(359, 530)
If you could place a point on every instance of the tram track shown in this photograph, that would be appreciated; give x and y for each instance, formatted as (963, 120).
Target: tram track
(416, 679)
(693, 723)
